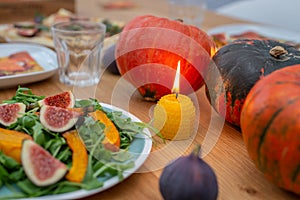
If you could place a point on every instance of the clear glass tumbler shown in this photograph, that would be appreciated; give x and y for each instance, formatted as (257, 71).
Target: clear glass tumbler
(79, 46)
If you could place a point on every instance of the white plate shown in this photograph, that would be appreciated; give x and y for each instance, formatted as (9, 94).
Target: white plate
(47, 40)
(14, 37)
(45, 57)
(265, 30)
(140, 147)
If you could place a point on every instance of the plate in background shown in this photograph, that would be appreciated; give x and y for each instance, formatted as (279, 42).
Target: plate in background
(264, 30)
(44, 56)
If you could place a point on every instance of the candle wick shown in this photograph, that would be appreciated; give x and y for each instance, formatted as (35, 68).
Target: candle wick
(176, 94)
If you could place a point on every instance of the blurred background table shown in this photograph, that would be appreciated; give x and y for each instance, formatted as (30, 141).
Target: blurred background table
(154, 7)
(237, 176)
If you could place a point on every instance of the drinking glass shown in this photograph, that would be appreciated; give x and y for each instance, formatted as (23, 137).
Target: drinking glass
(79, 46)
(190, 11)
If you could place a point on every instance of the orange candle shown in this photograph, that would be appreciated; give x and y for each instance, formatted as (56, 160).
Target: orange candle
(174, 114)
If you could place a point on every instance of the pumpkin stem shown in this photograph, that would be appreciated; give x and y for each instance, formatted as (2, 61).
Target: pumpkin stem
(180, 20)
(277, 51)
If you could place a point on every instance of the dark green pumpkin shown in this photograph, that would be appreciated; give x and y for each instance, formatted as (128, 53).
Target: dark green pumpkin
(241, 64)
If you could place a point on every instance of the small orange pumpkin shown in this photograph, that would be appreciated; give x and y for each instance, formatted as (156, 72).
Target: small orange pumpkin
(149, 49)
(270, 125)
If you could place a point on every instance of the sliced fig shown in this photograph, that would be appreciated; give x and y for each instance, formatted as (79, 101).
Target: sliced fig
(26, 32)
(58, 119)
(9, 113)
(25, 25)
(63, 100)
(40, 166)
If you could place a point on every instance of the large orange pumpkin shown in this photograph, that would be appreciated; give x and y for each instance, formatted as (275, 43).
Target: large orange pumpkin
(270, 124)
(148, 51)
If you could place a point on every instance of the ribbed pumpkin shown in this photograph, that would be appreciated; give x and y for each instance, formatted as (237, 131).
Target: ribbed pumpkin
(148, 51)
(241, 64)
(270, 125)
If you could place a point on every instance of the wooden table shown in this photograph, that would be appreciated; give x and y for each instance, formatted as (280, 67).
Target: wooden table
(237, 176)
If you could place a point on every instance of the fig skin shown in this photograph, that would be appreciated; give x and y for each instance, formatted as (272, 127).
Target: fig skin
(188, 177)
(109, 60)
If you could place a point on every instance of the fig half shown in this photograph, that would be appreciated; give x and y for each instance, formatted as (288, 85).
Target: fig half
(63, 100)
(9, 113)
(58, 119)
(40, 166)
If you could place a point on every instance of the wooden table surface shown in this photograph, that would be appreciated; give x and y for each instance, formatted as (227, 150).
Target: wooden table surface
(237, 176)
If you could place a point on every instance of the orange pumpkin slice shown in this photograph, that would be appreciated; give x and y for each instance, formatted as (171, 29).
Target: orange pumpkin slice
(79, 156)
(11, 143)
(112, 135)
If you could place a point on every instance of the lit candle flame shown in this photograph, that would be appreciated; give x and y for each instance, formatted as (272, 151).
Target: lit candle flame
(175, 88)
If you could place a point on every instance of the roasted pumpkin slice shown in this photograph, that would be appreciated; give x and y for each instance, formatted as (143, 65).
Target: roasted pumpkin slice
(11, 143)
(112, 135)
(79, 156)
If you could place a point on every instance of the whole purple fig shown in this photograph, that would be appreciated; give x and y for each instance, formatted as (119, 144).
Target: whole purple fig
(109, 60)
(188, 177)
